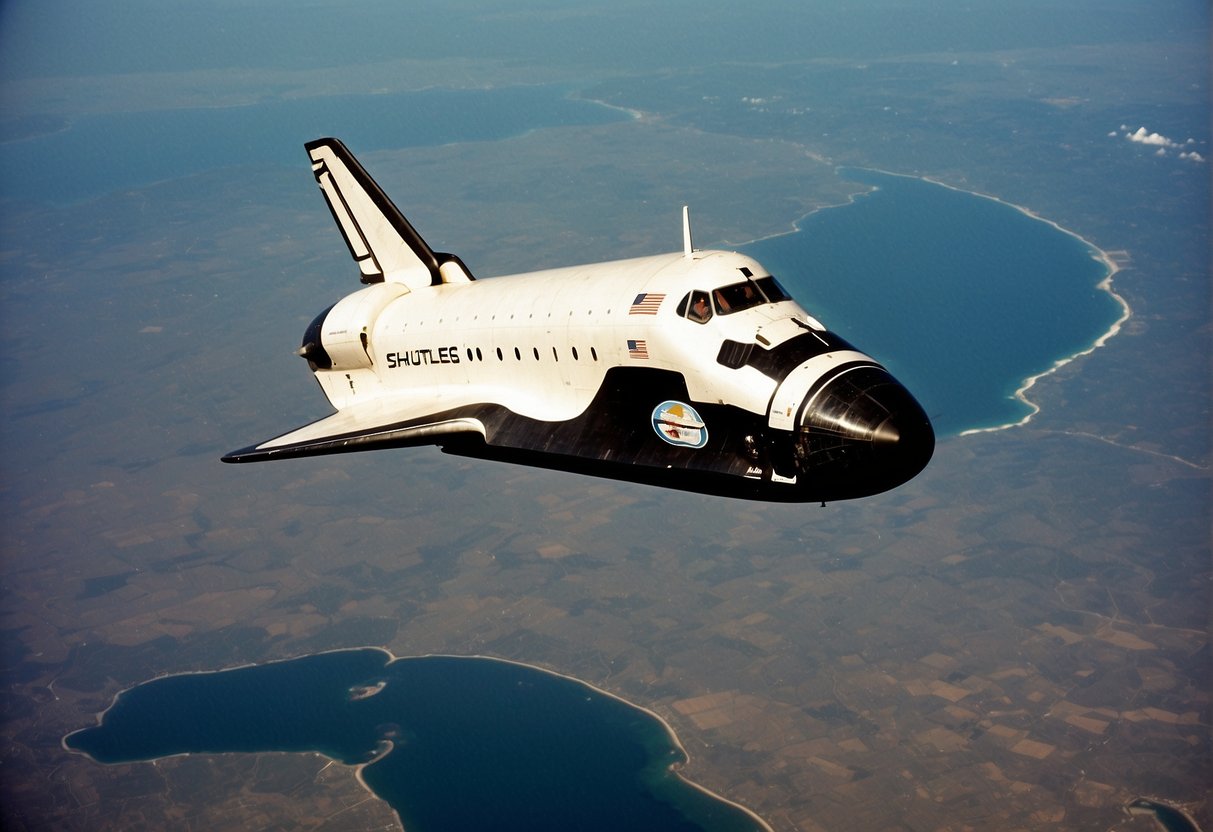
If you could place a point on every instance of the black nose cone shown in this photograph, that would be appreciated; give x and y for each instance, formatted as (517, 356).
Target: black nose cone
(864, 433)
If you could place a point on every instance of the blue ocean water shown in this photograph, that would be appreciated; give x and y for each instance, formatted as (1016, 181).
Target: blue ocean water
(103, 153)
(960, 296)
(474, 743)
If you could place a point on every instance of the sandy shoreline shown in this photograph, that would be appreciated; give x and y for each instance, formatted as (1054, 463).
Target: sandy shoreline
(1099, 255)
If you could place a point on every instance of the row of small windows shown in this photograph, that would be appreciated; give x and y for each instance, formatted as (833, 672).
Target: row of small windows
(477, 355)
(530, 316)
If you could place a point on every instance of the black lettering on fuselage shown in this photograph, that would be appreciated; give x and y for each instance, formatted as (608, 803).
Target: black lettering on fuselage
(423, 357)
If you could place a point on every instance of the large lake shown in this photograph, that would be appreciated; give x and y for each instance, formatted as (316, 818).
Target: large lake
(962, 297)
(450, 743)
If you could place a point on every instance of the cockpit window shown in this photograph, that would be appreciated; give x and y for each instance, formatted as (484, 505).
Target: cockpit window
(771, 288)
(700, 310)
(735, 298)
(748, 294)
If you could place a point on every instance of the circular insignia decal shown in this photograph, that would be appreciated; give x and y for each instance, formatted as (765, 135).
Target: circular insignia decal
(679, 424)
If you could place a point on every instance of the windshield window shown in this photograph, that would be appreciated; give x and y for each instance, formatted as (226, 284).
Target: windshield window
(700, 311)
(748, 294)
(771, 288)
(739, 296)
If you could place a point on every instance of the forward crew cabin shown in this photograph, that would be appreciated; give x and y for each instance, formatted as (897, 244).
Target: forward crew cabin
(694, 370)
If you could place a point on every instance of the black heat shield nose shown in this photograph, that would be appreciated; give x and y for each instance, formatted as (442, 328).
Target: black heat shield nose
(863, 433)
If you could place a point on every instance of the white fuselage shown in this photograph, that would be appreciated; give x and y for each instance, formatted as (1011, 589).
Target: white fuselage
(540, 343)
(694, 370)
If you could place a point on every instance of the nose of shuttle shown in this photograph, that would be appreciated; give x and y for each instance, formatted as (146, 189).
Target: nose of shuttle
(865, 433)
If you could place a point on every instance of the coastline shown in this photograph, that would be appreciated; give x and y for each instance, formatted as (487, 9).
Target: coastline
(1105, 285)
(632, 113)
(796, 229)
(386, 745)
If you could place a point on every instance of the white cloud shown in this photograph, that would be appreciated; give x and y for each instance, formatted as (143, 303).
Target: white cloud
(1142, 136)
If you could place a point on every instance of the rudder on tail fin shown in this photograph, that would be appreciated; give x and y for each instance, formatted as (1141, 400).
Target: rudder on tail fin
(382, 242)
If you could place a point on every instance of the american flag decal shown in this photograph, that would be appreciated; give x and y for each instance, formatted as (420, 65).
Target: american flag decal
(646, 303)
(637, 349)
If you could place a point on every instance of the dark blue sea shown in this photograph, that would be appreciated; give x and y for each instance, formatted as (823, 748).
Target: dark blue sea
(962, 297)
(450, 743)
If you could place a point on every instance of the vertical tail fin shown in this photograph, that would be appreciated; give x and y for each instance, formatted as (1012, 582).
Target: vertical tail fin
(382, 242)
(688, 248)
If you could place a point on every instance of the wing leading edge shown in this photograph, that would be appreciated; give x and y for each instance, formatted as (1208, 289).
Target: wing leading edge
(349, 430)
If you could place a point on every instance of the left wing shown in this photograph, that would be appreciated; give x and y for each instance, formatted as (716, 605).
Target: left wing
(358, 429)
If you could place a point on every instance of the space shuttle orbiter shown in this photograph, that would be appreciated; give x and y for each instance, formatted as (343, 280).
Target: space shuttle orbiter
(693, 370)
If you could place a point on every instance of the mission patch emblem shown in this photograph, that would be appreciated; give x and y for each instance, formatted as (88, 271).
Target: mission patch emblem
(679, 424)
